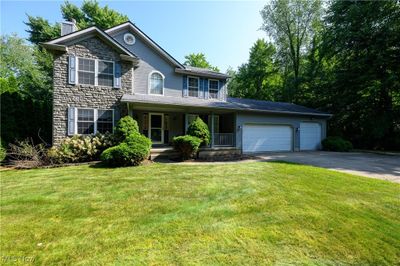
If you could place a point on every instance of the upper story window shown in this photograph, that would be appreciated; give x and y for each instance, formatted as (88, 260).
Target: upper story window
(213, 86)
(95, 72)
(156, 83)
(86, 71)
(193, 86)
(106, 73)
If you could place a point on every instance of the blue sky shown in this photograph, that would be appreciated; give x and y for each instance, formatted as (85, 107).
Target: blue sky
(223, 30)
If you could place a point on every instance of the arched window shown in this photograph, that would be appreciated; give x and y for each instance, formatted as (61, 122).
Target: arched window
(156, 83)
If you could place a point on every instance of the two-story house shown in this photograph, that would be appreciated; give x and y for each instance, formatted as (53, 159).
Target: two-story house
(100, 76)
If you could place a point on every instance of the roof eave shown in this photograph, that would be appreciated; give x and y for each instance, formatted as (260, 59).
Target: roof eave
(125, 96)
(197, 73)
(56, 47)
(52, 44)
(147, 39)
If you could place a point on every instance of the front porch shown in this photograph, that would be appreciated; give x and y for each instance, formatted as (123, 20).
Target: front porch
(162, 124)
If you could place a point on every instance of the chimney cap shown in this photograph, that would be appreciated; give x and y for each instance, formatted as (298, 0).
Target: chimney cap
(68, 27)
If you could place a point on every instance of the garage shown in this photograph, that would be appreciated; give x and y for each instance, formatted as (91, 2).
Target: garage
(310, 136)
(263, 138)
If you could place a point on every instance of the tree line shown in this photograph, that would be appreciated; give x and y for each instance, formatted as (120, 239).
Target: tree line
(342, 57)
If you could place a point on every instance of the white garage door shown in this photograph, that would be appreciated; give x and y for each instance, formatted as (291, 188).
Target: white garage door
(260, 138)
(310, 136)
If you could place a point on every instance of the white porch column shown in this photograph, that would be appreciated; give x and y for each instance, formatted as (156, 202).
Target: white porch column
(212, 130)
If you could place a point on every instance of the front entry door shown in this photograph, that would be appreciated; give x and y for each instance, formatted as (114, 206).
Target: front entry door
(156, 129)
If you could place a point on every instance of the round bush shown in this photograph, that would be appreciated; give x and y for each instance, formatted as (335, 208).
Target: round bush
(187, 146)
(336, 144)
(132, 151)
(125, 127)
(200, 130)
(80, 148)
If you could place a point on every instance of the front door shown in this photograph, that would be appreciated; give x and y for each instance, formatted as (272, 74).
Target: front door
(156, 129)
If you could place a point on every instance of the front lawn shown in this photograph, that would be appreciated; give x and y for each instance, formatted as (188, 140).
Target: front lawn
(163, 214)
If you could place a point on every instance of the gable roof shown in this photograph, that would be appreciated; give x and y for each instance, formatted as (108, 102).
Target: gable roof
(147, 39)
(201, 72)
(236, 104)
(58, 43)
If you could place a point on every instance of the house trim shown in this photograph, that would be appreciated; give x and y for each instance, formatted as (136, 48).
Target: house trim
(147, 39)
(86, 34)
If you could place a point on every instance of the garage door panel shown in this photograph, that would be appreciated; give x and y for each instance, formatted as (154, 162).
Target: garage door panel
(310, 136)
(260, 138)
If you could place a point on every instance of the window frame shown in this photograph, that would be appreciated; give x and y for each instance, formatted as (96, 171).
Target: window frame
(96, 71)
(149, 82)
(95, 119)
(209, 91)
(77, 71)
(198, 86)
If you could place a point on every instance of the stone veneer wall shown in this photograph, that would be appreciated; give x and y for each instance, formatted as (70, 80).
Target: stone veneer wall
(66, 95)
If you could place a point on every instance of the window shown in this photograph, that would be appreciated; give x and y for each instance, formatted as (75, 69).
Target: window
(86, 71)
(156, 83)
(90, 121)
(213, 88)
(129, 39)
(85, 121)
(193, 87)
(105, 121)
(88, 74)
(106, 73)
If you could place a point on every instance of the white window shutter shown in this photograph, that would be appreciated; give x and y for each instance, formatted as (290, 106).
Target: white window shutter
(71, 121)
(72, 69)
(117, 75)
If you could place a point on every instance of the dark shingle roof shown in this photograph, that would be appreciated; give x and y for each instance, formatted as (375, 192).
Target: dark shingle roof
(231, 104)
(190, 70)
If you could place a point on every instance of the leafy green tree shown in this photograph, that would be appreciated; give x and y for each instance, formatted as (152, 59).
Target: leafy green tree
(259, 77)
(363, 39)
(26, 71)
(291, 25)
(199, 60)
(25, 92)
(89, 14)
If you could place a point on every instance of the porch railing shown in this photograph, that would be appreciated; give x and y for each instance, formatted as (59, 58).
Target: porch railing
(223, 139)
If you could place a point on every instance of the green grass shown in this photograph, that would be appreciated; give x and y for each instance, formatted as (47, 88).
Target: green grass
(163, 214)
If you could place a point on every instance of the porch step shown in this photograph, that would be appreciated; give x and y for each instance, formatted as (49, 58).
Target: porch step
(218, 152)
(204, 153)
(163, 153)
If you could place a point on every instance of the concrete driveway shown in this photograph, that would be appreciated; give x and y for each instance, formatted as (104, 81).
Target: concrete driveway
(386, 167)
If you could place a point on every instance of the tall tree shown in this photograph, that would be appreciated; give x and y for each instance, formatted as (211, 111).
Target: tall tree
(26, 71)
(199, 60)
(89, 14)
(290, 24)
(363, 37)
(258, 78)
(25, 92)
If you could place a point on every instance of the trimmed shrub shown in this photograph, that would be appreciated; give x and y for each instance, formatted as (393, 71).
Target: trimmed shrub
(200, 130)
(131, 152)
(336, 144)
(187, 146)
(80, 148)
(125, 127)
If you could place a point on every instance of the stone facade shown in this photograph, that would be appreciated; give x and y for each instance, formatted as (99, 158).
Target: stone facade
(66, 95)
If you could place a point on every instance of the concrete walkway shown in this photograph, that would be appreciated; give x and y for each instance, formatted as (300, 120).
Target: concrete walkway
(386, 167)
